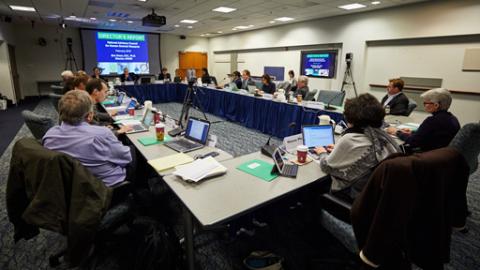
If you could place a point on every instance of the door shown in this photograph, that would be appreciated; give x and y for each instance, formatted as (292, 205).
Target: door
(195, 60)
(14, 71)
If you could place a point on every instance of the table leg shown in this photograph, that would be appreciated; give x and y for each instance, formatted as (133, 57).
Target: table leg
(188, 220)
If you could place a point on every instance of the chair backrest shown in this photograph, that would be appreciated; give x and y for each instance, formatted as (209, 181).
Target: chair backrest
(311, 94)
(330, 96)
(54, 99)
(466, 142)
(284, 85)
(38, 124)
(411, 106)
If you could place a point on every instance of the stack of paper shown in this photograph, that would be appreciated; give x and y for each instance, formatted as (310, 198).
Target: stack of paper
(161, 164)
(200, 169)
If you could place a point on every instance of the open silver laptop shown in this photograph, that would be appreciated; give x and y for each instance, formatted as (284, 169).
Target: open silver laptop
(144, 124)
(196, 136)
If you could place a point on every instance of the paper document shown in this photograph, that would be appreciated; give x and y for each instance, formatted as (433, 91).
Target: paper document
(200, 169)
(411, 126)
(164, 163)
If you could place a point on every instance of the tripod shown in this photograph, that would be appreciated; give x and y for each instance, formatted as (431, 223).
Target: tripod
(70, 61)
(348, 75)
(188, 102)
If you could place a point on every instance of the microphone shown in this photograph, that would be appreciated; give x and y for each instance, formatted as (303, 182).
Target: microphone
(328, 107)
(268, 149)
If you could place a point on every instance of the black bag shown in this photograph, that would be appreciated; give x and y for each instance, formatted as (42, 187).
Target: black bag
(157, 247)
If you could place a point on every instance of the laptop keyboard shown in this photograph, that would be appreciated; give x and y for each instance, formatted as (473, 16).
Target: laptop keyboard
(138, 127)
(186, 144)
(290, 169)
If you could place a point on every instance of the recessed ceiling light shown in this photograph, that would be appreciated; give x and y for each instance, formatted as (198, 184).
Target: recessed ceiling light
(284, 19)
(189, 27)
(72, 16)
(112, 20)
(188, 21)
(93, 19)
(375, 2)
(224, 9)
(142, 0)
(352, 6)
(207, 34)
(234, 29)
(242, 27)
(176, 25)
(272, 22)
(202, 35)
(219, 32)
(22, 8)
(129, 21)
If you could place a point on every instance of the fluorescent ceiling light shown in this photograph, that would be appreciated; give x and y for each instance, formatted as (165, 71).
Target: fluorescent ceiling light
(352, 6)
(142, 0)
(224, 9)
(220, 32)
(72, 16)
(22, 8)
(202, 35)
(176, 25)
(129, 21)
(189, 27)
(188, 21)
(375, 2)
(284, 19)
(112, 20)
(93, 19)
(272, 21)
(242, 27)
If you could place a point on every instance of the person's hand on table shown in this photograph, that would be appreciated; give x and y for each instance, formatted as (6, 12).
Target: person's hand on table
(391, 130)
(406, 131)
(320, 150)
(124, 129)
(113, 113)
(330, 147)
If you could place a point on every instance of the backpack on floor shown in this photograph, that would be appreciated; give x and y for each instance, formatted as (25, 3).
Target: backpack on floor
(157, 247)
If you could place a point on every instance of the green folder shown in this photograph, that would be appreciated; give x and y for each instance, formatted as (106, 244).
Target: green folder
(258, 168)
(146, 141)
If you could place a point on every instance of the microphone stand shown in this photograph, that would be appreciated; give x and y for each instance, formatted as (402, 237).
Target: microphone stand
(269, 149)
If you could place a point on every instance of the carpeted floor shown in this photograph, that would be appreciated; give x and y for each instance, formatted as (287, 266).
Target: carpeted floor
(11, 120)
(293, 234)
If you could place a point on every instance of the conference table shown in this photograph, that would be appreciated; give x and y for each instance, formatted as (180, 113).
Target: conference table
(221, 199)
(265, 115)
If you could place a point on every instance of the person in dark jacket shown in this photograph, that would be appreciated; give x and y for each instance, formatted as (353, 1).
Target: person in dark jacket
(164, 75)
(206, 79)
(437, 130)
(127, 76)
(302, 86)
(97, 74)
(395, 99)
(267, 85)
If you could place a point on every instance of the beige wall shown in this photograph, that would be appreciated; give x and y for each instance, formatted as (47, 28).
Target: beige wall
(6, 37)
(172, 44)
(430, 19)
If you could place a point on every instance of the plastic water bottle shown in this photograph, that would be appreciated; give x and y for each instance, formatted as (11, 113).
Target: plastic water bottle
(387, 109)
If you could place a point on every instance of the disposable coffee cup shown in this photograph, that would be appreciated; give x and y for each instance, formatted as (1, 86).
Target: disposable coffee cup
(160, 131)
(302, 153)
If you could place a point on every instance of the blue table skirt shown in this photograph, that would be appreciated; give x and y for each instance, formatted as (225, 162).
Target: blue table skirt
(267, 116)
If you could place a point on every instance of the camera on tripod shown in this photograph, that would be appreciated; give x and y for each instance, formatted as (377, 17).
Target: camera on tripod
(192, 81)
(349, 58)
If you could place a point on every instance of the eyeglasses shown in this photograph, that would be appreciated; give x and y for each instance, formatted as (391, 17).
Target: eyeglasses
(426, 103)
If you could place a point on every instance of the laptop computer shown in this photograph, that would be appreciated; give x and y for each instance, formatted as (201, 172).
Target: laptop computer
(117, 102)
(144, 124)
(122, 115)
(288, 170)
(196, 136)
(252, 88)
(317, 135)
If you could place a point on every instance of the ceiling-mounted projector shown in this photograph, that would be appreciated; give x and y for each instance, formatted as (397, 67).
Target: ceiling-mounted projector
(154, 20)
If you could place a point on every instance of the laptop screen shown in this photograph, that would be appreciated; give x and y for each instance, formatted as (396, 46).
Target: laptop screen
(120, 98)
(197, 130)
(147, 120)
(277, 156)
(318, 135)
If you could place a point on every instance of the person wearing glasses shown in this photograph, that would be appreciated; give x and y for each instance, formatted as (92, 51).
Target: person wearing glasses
(437, 130)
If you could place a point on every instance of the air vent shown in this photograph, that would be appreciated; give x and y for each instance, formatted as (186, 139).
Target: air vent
(100, 4)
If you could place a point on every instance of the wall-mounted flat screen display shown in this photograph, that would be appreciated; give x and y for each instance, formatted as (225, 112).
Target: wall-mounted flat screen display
(318, 64)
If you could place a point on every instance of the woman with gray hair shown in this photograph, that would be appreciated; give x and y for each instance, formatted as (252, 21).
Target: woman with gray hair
(437, 130)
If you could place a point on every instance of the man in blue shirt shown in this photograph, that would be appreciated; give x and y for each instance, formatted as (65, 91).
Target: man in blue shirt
(95, 147)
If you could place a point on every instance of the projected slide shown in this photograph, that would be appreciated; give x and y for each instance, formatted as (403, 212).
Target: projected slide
(116, 51)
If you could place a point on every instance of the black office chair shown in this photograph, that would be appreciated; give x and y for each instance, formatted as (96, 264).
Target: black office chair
(331, 97)
(311, 95)
(38, 124)
(411, 106)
